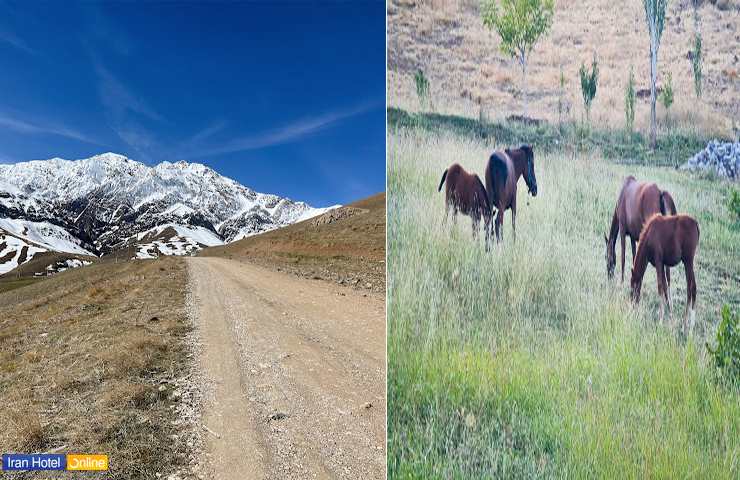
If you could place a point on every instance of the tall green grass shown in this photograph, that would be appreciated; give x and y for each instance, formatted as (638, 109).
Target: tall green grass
(525, 361)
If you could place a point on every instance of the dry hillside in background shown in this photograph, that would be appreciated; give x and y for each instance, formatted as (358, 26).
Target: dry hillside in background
(467, 71)
(345, 245)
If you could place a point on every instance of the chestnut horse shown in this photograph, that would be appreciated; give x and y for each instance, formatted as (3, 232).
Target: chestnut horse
(664, 242)
(503, 170)
(637, 202)
(464, 192)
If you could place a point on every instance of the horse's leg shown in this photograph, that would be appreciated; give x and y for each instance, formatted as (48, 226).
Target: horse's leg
(621, 239)
(690, 294)
(513, 218)
(661, 288)
(499, 225)
(668, 289)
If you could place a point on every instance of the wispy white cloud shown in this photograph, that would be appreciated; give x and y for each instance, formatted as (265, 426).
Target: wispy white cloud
(8, 37)
(126, 111)
(292, 132)
(137, 137)
(25, 127)
(119, 99)
(208, 131)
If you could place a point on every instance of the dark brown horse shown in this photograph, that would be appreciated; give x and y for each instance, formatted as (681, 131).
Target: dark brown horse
(637, 202)
(464, 192)
(503, 170)
(664, 242)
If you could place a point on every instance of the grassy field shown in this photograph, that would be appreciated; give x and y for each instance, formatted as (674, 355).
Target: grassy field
(525, 361)
(89, 359)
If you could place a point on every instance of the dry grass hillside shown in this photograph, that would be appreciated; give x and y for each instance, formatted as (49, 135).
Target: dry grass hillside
(346, 245)
(468, 73)
(91, 362)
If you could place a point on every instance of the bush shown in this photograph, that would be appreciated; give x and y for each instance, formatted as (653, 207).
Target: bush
(422, 86)
(667, 96)
(733, 204)
(726, 356)
(560, 96)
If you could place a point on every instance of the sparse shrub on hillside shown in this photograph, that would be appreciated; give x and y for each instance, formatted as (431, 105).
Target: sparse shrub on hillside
(422, 87)
(697, 54)
(696, 64)
(726, 356)
(588, 86)
(629, 102)
(666, 98)
(733, 204)
(561, 92)
(519, 24)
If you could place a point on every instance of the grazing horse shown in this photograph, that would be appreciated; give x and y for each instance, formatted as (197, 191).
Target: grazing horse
(464, 192)
(637, 202)
(664, 242)
(502, 174)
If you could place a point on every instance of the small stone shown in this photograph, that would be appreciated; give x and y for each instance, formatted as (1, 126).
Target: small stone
(368, 405)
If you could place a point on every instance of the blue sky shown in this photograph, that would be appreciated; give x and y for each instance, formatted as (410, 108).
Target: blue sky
(283, 97)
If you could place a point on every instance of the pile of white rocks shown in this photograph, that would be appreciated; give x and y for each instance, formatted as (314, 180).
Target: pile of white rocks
(721, 157)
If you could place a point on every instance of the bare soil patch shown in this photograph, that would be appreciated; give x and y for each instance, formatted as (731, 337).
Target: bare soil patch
(294, 373)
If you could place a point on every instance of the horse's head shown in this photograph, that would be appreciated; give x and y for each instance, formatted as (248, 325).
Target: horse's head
(635, 287)
(530, 178)
(611, 257)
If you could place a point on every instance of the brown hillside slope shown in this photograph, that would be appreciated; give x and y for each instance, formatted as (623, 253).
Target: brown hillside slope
(90, 360)
(346, 245)
(466, 69)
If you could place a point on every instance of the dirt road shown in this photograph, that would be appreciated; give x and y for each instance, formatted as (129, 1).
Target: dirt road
(294, 373)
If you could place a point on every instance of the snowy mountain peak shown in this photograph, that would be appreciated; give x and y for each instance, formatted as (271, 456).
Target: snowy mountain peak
(101, 202)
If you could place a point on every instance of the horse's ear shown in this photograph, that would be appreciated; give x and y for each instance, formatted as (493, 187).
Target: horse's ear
(605, 237)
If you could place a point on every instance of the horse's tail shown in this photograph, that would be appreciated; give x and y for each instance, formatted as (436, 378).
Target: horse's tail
(496, 167)
(485, 196)
(444, 175)
(666, 203)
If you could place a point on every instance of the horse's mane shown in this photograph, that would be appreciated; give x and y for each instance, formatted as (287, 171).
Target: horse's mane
(648, 225)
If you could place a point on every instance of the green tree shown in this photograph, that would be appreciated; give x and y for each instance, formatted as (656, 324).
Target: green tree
(655, 15)
(520, 24)
(629, 102)
(588, 86)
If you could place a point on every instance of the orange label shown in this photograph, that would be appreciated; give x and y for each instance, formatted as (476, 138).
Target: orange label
(87, 462)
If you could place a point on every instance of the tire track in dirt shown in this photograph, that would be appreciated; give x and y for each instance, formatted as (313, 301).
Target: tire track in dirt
(297, 373)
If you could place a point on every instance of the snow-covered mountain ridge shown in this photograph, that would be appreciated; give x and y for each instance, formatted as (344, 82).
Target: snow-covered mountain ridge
(97, 205)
